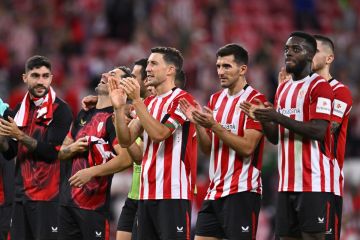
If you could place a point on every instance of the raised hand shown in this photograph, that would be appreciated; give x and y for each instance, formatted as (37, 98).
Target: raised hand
(131, 87)
(80, 178)
(204, 118)
(188, 108)
(249, 108)
(89, 102)
(283, 76)
(116, 93)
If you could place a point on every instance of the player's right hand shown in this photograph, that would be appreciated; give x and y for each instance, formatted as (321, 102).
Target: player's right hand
(89, 102)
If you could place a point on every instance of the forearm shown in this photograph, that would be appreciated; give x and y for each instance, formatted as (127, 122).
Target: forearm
(305, 129)
(155, 129)
(66, 153)
(122, 130)
(135, 153)
(242, 145)
(113, 166)
(271, 132)
(204, 140)
(29, 142)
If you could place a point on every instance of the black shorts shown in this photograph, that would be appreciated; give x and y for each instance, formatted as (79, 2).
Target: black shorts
(164, 219)
(34, 220)
(302, 212)
(128, 215)
(232, 217)
(5, 218)
(78, 224)
(334, 230)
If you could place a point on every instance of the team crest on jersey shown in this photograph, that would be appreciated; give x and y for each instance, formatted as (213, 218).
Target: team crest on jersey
(301, 94)
(100, 126)
(82, 122)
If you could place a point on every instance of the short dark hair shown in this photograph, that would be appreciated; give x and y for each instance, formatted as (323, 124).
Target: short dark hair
(143, 63)
(309, 39)
(171, 56)
(327, 41)
(126, 70)
(180, 78)
(241, 56)
(37, 61)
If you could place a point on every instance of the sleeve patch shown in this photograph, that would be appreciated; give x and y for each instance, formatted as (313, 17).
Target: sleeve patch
(339, 108)
(323, 105)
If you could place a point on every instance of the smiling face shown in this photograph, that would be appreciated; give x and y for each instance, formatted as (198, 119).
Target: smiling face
(229, 71)
(38, 81)
(102, 87)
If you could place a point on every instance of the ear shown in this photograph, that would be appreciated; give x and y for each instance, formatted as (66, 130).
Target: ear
(24, 77)
(243, 69)
(330, 58)
(171, 70)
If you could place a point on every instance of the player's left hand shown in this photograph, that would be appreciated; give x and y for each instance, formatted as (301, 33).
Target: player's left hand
(10, 129)
(266, 114)
(80, 178)
(131, 88)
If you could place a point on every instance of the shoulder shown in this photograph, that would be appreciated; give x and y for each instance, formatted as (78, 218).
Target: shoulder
(62, 104)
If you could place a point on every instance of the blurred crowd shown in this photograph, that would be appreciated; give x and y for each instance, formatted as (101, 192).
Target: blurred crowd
(85, 38)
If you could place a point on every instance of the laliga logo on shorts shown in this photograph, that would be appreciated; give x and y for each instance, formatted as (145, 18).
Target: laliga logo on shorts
(54, 229)
(98, 234)
(245, 229)
(321, 220)
(179, 229)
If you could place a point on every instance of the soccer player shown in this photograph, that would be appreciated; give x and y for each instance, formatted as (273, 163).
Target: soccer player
(166, 187)
(126, 220)
(340, 116)
(235, 143)
(34, 136)
(299, 122)
(84, 211)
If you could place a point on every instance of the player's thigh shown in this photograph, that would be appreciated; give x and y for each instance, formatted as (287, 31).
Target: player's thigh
(174, 219)
(240, 218)
(314, 211)
(287, 223)
(68, 227)
(127, 216)
(94, 225)
(208, 225)
(42, 218)
(145, 220)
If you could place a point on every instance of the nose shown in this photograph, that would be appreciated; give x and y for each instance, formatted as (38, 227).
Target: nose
(220, 71)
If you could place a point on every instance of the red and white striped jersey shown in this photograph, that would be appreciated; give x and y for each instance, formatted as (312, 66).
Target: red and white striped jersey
(341, 110)
(304, 164)
(167, 167)
(230, 173)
